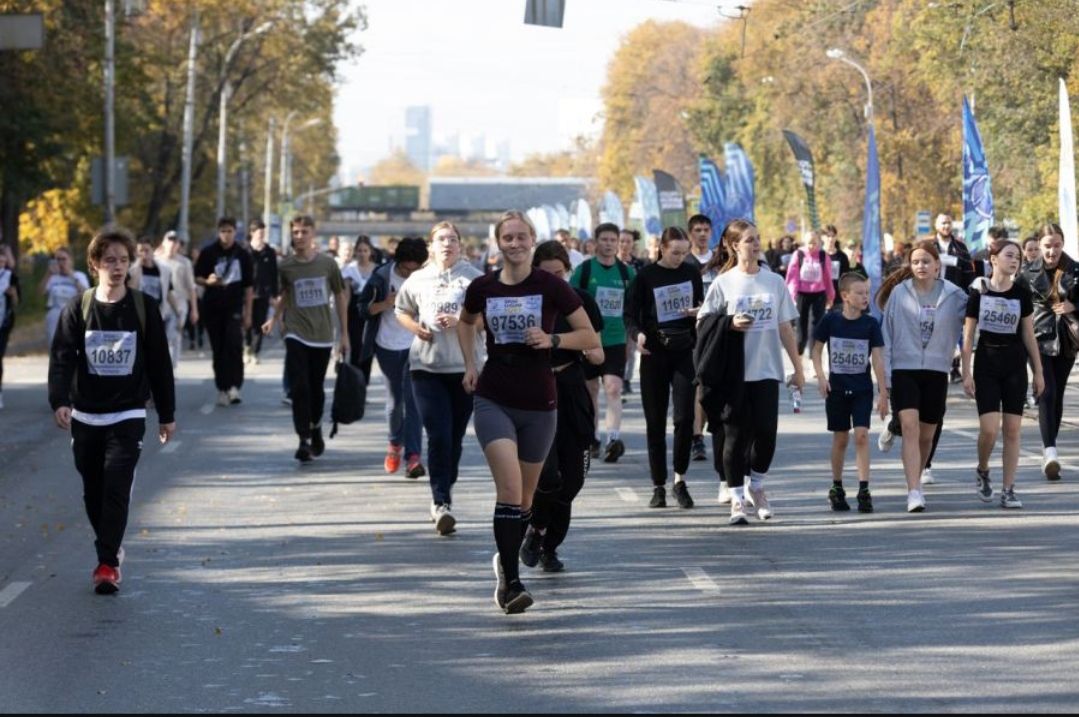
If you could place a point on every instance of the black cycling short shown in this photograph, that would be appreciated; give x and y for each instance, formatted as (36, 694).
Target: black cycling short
(926, 391)
(614, 363)
(847, 408)
(1000, 380)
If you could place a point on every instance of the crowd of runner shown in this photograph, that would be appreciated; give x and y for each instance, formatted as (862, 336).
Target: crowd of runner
(522, 340)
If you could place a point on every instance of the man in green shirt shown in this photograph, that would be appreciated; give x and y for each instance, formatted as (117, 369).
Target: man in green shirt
(308, 279)
(607, 278)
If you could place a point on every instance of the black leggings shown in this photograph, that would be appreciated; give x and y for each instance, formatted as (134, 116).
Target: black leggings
(1056, 370)
(751, 430)
(809, 304)
(664, 373)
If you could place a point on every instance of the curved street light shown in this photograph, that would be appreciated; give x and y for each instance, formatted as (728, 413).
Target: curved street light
(837, 54)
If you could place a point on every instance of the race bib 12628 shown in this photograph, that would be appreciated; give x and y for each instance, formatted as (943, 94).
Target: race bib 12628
(110, 353)
(610, 301)
(510, 317)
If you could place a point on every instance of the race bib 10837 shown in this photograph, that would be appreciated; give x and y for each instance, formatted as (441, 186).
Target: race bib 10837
(110, 353)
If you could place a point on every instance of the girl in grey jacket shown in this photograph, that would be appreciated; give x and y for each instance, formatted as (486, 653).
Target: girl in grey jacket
(922, 322)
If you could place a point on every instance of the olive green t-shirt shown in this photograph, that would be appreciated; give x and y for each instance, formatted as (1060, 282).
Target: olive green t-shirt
(606, 286)
(308, 287)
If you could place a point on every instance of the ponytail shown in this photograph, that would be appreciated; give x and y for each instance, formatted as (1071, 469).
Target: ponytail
(897, 277)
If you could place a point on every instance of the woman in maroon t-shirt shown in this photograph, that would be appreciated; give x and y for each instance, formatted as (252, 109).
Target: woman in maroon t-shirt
(515, 395)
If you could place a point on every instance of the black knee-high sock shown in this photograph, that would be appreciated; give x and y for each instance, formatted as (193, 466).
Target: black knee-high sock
(508, 535)
(559, 526)
(526, 519)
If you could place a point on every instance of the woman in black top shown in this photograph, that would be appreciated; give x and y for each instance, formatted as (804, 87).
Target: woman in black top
(1053, 279)
(9, 299)
(1001, 313)
(564, 470)
(660, 315)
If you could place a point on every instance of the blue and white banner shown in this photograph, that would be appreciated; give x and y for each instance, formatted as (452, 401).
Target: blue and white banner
(713, 197)
(611, 210)
(649, 199)
(581, 219)
(1066, 179)
(741, 199)
(977, 191)
(871, 222)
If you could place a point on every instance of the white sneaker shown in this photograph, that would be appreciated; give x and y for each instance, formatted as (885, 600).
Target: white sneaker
(724, 493)
(444, 520)
(234, 395)
(759, 500)
(927, 477)
(222, 398)
(1051, 464)
(915, 502)
(738, 512)
(885, 439)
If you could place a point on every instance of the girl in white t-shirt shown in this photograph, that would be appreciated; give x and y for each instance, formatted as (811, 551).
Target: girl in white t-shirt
(59, 286)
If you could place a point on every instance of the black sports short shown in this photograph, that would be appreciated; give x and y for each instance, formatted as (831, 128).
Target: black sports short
(926, 391)
(614, 363)
(1000, 380)
(845, 408)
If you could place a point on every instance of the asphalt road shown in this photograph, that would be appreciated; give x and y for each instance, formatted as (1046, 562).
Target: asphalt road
(253, 585)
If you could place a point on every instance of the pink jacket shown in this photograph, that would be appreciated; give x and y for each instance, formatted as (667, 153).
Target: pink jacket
(810, 275)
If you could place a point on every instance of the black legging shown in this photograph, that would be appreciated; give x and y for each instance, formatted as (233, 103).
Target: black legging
(809, 304)
(662, 374)
(563, 472)
(752, 428)
(1056, 370)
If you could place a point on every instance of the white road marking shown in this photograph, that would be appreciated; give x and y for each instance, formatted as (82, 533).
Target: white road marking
(12, 591)
(700, 580)
(628, 495)
(207, 409)
(171, 446)
(1029, 453)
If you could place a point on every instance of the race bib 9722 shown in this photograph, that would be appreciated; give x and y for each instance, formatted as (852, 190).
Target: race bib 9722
(761, 307)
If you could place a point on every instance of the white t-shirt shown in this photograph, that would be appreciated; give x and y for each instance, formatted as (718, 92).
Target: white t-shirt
(61, 289)
(575, 258)
(351, 273)
(764, 295)
(391, 335)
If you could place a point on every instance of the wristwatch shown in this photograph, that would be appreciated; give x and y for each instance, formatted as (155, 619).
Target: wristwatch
(555, 341)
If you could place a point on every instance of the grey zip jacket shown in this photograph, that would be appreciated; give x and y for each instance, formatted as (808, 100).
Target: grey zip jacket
(901, 324)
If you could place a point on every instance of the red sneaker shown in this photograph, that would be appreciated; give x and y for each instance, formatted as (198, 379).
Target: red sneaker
(106, 579)
(414, 467)
(393, 458)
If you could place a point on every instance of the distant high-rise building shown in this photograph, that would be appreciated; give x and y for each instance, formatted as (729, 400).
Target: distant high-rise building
(418, 136)
(505, 156)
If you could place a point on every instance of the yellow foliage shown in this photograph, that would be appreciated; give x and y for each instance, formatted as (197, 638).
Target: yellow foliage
(48, 221)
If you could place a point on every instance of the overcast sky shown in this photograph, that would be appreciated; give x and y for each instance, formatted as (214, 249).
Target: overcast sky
(483, 71)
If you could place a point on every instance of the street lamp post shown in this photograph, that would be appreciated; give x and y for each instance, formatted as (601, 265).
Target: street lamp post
(837, 54)
(110, 124)
(267, 189)
(189, 131)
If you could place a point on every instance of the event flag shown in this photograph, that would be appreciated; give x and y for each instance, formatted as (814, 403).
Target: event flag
(977, 189)
(804, 157)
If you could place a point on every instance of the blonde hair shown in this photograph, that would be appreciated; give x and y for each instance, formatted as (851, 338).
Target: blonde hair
(510, 216)
(443, 225)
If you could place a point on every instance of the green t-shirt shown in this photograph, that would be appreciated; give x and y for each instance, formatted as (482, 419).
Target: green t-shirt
(605, 284)
(308, 288)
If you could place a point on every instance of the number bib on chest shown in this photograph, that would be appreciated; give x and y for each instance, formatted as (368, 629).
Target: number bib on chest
(443, 300)
(311, 292)
(110, 353)
(610, 300)
(835, 269)
(809, 272)
(151, 286)
(672, 302)
(998, 315)
(508, 317)
(927, 318)
(61, 292)
(761, 307)
(228, 272)
(848, 355)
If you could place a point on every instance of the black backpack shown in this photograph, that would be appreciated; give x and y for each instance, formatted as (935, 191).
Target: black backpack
(349, 396)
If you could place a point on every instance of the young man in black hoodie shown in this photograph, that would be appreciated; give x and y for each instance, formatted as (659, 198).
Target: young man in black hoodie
(110, 354)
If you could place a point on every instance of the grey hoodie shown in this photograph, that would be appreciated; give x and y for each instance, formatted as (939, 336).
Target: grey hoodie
(901, 323)
(427, 292)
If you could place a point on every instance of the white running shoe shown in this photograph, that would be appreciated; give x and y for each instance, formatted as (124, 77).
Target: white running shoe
(234, 395)
(738, 512)
(759, 500)
(927, 477)
(724, 493)
(915, 502)
(885, 440)
(444, 520)
(1051, 464)
(222, 398)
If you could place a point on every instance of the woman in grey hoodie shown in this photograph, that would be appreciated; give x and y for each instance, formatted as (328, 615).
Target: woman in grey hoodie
(922, 321)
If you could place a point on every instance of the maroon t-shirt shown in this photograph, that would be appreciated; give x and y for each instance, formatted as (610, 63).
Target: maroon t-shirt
(517, 375)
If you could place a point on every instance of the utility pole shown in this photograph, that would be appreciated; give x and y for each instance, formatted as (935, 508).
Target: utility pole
(222, 147)
(189, 131)
(109, 167)
(267, 189)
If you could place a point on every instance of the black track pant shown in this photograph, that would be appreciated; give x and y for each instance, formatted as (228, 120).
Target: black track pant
(5, 334)
(1056, 370)
(105, 457)
(227, 343)
(260, 309)
(810, 312)
(752, 428)
(306, 368)
(665, 375)
(563, 472)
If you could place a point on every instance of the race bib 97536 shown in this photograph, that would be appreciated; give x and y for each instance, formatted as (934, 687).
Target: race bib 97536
(510, 317)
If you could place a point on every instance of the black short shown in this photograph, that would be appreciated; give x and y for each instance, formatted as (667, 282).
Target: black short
(1000, 380)
(614, 363)
(845, 408)
(924, 391)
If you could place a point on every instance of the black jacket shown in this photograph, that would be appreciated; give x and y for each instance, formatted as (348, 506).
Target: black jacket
(374, 290)
(1040, 282)
(963, 272)
(719, 362)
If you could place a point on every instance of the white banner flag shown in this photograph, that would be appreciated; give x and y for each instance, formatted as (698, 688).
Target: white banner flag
(1066, 189)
